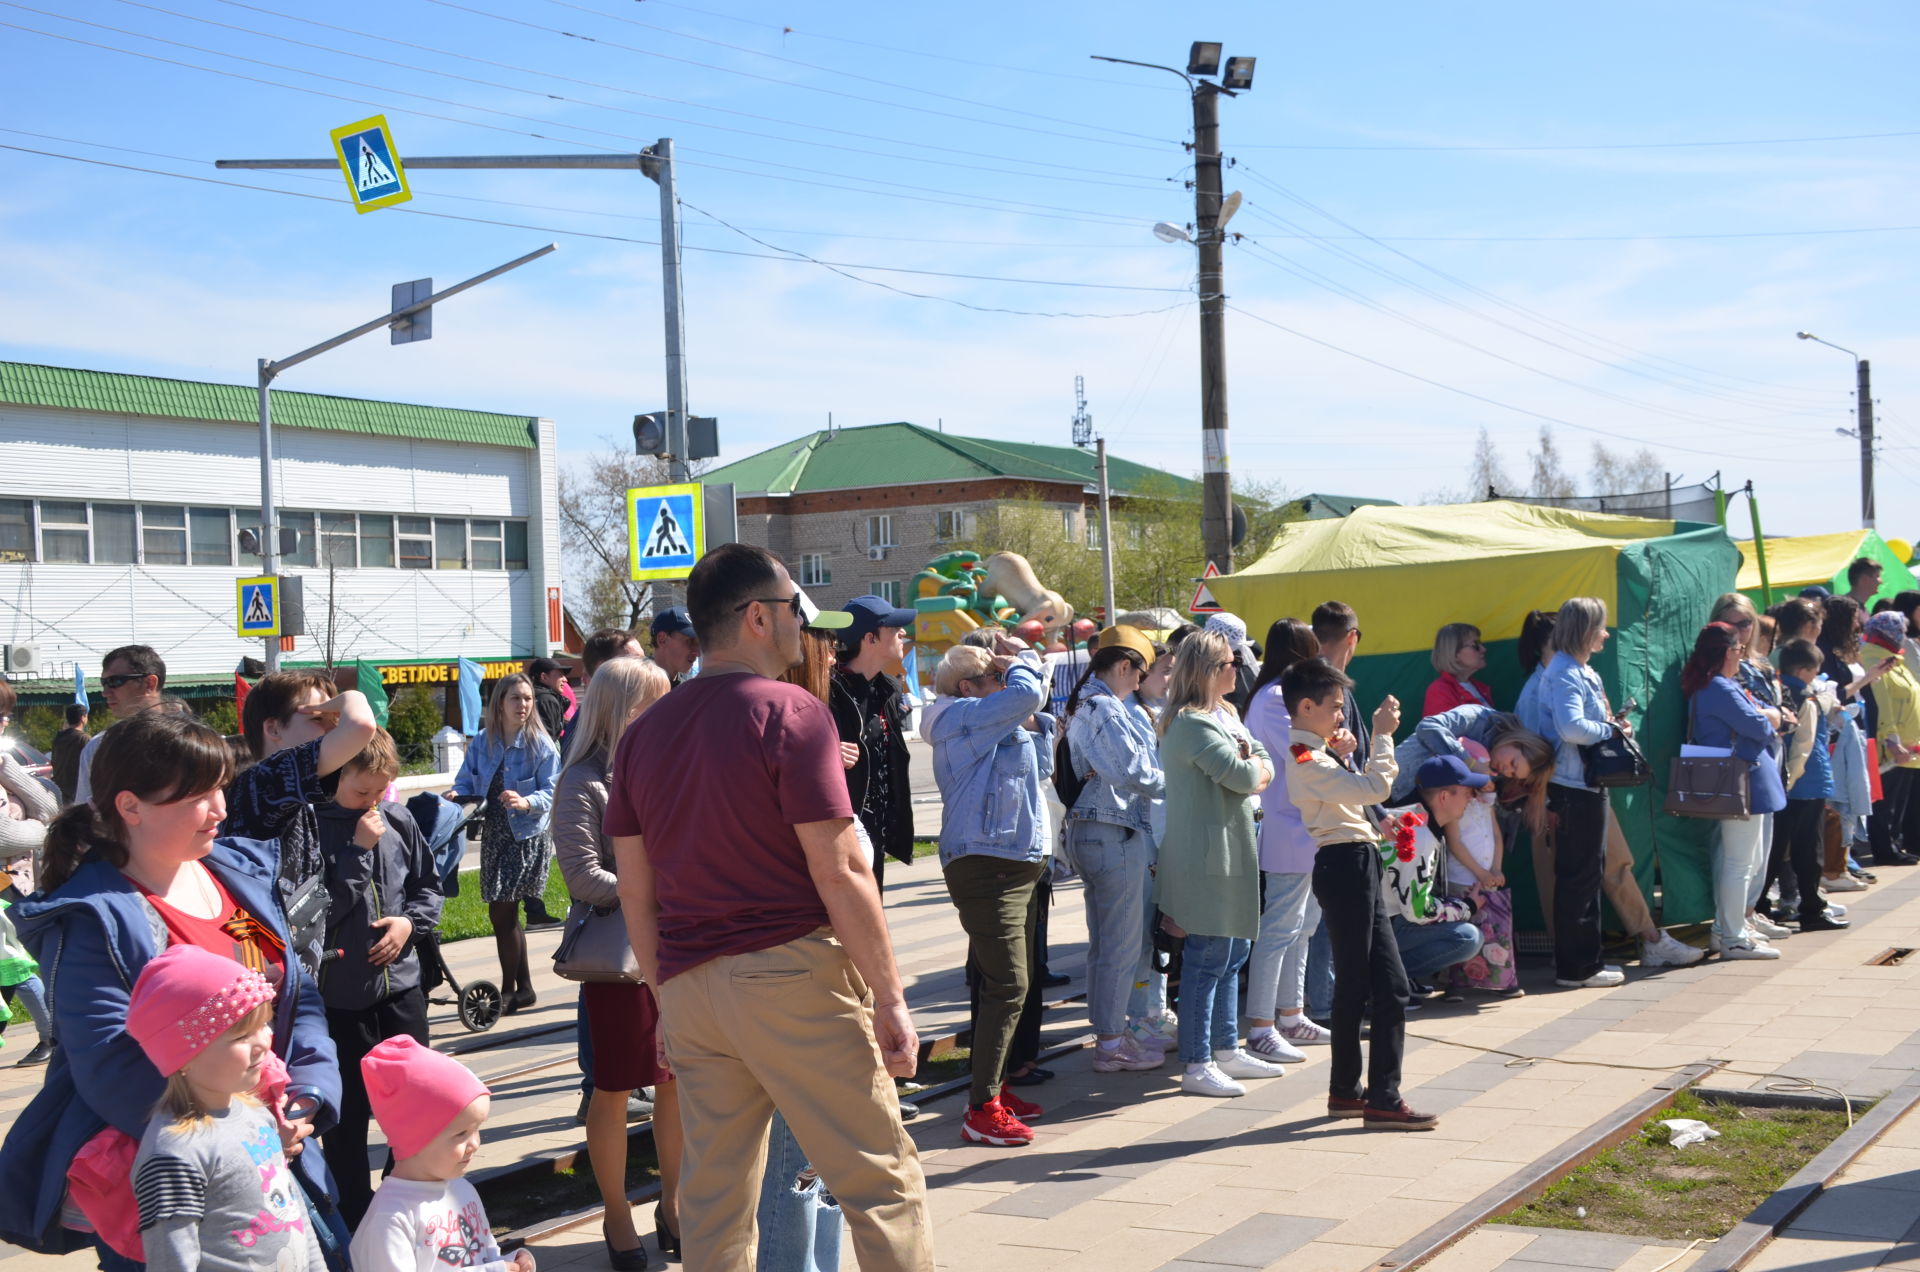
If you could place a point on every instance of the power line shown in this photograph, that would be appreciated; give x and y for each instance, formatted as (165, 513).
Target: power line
(1616, 145)
(618, 238)
(1130, 180)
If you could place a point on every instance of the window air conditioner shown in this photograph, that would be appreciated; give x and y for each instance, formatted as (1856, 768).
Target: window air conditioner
(876, 553)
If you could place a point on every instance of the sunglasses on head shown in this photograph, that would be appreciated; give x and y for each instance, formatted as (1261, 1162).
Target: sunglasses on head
(791, 602)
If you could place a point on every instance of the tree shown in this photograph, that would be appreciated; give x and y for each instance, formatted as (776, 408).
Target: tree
(593, 535)
(1550, 480)
(1612, 473)
(1622, 474)
(1032, 526)
(1485, 473)
(1158, 546)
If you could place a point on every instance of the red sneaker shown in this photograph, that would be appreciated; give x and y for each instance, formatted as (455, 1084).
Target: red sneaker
(991, 1123)
(1341, 1106)
(1025, 1110)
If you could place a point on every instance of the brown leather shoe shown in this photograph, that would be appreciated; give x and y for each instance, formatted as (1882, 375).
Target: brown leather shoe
(1338, 1106)
(1400, 1118)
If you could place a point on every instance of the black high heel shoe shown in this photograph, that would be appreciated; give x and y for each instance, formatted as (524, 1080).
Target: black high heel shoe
(669, 1242)
(634, 1260)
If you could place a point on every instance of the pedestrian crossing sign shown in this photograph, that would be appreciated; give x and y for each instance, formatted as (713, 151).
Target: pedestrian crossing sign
(666, 530)
(257, 602)
(375, 178)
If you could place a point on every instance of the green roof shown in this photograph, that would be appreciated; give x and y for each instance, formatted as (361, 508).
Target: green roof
(28, 384)
(1323, 507)
(906, 454)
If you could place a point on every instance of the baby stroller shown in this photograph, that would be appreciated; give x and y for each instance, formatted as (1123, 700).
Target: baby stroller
(440, 821)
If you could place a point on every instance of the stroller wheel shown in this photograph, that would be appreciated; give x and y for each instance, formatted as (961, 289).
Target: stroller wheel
(479, 1005)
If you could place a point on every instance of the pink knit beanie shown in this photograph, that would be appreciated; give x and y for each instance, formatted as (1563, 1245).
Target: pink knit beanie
(416, 1092)
(185, 998)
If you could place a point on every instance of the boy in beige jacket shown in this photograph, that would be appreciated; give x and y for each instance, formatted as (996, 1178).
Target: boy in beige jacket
(1367, 974)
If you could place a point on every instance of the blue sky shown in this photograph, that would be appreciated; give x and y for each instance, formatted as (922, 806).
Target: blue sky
(1488, 196)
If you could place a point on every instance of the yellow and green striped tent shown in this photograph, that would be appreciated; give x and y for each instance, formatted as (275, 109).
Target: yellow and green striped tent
(1409, 571)
(1819, 558)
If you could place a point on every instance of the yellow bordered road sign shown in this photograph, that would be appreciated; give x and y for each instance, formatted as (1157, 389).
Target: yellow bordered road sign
(666, 530)
(257, 606)
(375, 177)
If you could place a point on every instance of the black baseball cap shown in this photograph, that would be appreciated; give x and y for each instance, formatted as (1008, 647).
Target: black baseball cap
(675, 621)
(871, 613)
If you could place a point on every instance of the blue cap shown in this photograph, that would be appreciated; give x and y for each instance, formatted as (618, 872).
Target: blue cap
(870, 614)
(1448, 770)
(675, 620)
(1815, 592)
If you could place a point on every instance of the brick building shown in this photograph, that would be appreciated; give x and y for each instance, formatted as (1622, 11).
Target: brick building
(859, 510)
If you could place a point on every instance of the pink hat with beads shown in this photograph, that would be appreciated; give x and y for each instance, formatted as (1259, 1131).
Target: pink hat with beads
(185, 998)
(416, 1092)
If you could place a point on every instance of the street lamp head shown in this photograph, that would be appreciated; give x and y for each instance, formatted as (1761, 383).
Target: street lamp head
(1204, 58)
(1239, 73)
(1168, 232)
(1806, 335)
(1846, 432)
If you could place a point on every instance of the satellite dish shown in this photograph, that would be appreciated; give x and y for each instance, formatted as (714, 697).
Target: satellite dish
(1168, 232)
(1228, 206)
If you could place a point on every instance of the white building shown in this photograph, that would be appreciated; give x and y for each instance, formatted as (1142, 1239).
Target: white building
(435, 531)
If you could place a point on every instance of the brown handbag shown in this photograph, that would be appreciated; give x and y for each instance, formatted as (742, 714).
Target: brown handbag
(1715, 787)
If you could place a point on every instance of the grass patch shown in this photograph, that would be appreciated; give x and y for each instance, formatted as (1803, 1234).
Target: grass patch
(925, 848)
(465, 916)
(957, 1063)
(1644, 1188)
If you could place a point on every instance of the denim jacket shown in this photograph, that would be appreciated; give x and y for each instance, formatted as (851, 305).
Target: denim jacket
(92, 936)
(530, 770)
(1442, 735)
(989, 770)
(1114, 738)
(1569, 709)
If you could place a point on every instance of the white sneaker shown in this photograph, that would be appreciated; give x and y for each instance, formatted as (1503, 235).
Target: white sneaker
(1747, 949)
(1836, 910)
(1669, 951)
(1210, 1081)
(1238, 1064)
(1605, 978)
(1149, 1039)
(1769, 929)
(1845, 883)
(1302, 1032)
(1271, 1046)
(1128, 1057)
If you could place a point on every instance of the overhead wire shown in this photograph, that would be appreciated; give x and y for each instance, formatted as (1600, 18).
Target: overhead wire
(1130, 180)
(1617, 145)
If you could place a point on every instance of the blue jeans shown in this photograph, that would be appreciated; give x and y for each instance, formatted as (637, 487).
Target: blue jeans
(1113, 863)
(1280, 951)
(1210, 995)
(1149, 996)
(1319, 966)
(799, 1228)
(1426, 948)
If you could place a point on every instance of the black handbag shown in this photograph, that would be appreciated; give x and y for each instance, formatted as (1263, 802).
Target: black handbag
(1618, 761)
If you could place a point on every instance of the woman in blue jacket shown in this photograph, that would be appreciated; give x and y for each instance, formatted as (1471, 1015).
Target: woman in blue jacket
(1723, 713)
(512, 767)
(126, 875)
(992, 748)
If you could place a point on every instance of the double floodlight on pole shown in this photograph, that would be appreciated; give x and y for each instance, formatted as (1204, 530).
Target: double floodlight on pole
(1863, 395)
(1212, 208)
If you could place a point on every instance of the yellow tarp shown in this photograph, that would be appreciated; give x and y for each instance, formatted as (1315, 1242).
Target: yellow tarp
(1405, 571)
(1800, 562)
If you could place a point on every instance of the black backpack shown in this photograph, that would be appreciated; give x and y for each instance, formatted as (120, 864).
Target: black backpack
(1068, 780)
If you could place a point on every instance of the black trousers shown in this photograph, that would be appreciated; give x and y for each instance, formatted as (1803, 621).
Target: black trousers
(1367, 972)
(354, 1034)
(1579, 862)
(1890, 826)
(1801, 825)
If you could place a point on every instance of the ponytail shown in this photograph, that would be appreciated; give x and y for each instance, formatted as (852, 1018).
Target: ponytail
(74, 837)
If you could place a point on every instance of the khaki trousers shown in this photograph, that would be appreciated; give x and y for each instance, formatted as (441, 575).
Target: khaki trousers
(1616, 880)
(790, 1027)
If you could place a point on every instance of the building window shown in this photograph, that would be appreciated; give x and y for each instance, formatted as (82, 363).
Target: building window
(951, 523)
(516, 545)
(1068, 530)
(888, 590)
(113, 535)
(305, 552)
(450, 545)
(163, 535)
(813, 570)
(211, 539)
(376, 541)
(416, 543)
(16, 530)
(339, 546)
(880, 531)
(63, 532)
(487, 553)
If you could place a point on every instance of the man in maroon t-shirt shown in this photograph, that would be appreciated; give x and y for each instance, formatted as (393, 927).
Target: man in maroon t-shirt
(755, 917)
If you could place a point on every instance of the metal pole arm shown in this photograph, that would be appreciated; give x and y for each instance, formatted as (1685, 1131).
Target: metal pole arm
(270, 369)
(455, 161)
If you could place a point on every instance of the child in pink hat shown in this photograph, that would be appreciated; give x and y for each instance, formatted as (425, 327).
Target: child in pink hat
(425, 1216)
(210, 1180)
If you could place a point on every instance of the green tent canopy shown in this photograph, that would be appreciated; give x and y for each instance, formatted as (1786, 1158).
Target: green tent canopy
(1823, 559)
(1409, 571)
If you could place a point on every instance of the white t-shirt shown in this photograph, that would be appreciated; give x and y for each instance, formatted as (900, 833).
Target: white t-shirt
(1478, 834)
(419, 1226)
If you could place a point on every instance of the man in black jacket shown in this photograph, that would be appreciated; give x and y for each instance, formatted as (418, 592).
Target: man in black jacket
(870, 710)
(546, 675)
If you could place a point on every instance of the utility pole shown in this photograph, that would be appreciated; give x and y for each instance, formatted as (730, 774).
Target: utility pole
(1106, 530)
(1865, 392)
(1216, 508)
(658, 164)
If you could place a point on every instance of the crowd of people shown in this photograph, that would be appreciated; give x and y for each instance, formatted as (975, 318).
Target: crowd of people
(217, 940)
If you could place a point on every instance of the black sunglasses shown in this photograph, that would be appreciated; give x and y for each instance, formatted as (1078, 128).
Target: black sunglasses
(124, 678)
(791, 602)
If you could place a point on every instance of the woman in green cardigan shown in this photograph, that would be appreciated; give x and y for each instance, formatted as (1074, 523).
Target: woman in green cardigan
(1209, 871)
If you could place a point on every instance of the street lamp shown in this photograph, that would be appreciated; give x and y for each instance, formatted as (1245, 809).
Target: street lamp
(1863, 391)
(1211, 211)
